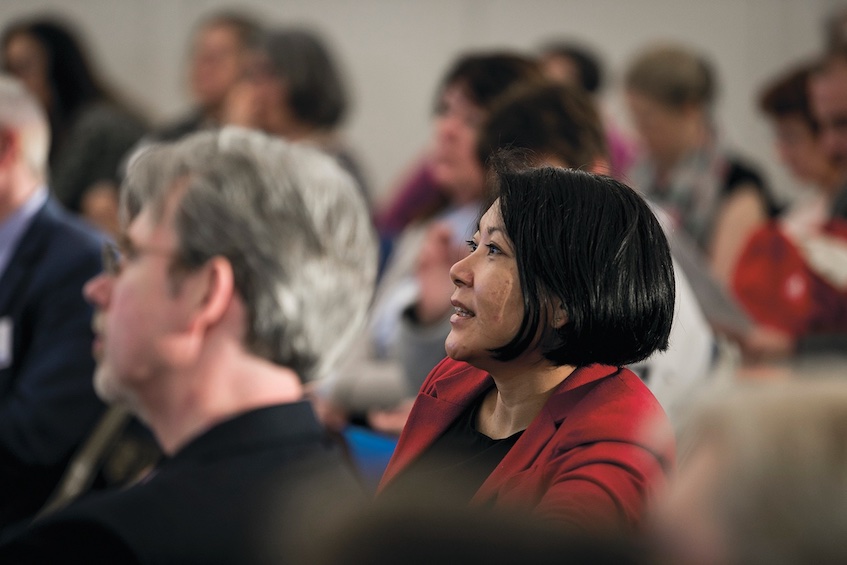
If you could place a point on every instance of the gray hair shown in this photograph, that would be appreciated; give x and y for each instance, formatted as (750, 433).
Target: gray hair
(290, 221)
(780, 486)
(20, 111)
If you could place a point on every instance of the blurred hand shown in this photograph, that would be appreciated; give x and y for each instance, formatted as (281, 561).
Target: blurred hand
(766, 343)
(393, 420)
(438, 254)
(242, 106)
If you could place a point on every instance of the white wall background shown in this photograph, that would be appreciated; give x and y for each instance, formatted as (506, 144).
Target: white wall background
(394, 52)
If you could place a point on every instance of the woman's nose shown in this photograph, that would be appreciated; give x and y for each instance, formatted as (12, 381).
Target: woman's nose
(461, 273)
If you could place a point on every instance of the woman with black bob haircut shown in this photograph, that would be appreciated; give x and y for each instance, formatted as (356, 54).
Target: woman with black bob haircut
(612, 273)
(569, 277)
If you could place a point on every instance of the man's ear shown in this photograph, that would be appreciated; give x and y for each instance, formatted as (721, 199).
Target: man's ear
(211, 290)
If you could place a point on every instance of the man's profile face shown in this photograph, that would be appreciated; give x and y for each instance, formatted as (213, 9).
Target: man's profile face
(828, 93)
(139, 321)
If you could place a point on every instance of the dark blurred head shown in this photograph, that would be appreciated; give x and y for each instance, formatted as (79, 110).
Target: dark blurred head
(785, 101)
(47, 56)
(572, 63)
(669, 91)
(559, 124)
(788, 96)
(220, 53)
(483, 77)
(314, 90)
(673, 76)
(467, 94)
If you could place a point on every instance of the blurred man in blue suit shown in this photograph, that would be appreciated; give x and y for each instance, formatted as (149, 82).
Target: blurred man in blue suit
(47, 402)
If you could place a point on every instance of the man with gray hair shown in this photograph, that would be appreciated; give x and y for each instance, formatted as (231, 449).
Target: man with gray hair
(245, 268)
(47, 404)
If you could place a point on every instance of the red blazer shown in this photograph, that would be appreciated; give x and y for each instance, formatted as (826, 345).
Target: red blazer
(593, 456)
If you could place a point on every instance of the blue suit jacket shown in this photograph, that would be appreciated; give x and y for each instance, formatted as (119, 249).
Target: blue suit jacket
(47, 402)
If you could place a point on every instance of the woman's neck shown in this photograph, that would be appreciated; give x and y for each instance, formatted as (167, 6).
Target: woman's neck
(518, 397)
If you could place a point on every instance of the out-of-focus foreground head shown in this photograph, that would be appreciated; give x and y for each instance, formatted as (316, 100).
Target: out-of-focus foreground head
(290, 221)
(762, 477)
(21, 113)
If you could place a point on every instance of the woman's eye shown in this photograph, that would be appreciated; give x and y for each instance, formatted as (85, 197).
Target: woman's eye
(493, 249)
(472, 245)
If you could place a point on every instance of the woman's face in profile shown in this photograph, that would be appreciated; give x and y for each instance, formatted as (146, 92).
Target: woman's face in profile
(454, 163)
(488, 302)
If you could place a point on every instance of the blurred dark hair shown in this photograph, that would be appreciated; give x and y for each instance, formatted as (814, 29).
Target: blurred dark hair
(588, 64)
(486, 76)
(787, 95)
(592, 245)
(672, 75)
(551, 120)
(72, 79)
(315, 87)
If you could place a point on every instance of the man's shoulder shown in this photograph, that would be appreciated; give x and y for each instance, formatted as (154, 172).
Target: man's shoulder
(212, 504)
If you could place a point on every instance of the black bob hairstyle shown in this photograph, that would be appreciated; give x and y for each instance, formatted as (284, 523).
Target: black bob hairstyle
(591, 244)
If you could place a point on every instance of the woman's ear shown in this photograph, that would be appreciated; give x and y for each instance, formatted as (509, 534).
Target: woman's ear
(560, 316)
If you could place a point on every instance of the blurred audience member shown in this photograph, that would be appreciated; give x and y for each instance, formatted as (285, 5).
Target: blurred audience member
(761, 477)
(46, 255)
(91, 129)
(713, 196)
(828, 91)
(299, 94)
(569, 278)
(242, 254)
(463, 99)
(573, 63)
(787, 275)
(222, 50)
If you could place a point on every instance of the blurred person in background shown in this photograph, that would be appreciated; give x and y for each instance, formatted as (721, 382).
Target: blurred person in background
(570, 62)
(463, 99)
(47, 402)
(222, 49)
(297, 91)
(786, 276)
(91, 128)
(704, 189)
(761, 476)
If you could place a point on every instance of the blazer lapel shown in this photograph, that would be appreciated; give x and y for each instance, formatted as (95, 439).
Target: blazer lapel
(537, 437)
(433, 413)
